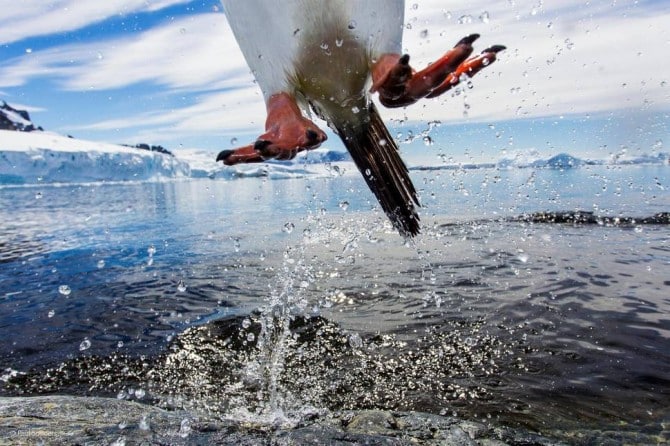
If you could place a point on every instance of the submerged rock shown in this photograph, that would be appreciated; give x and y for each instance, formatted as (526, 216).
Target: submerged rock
(58, 420)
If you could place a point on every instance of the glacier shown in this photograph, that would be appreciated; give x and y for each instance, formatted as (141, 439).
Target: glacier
(45, 157)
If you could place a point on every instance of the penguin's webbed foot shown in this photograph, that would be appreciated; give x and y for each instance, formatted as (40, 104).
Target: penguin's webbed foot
(399, 85)
(287, 133)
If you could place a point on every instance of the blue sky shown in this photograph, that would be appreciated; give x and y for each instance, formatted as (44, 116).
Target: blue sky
(590, 78)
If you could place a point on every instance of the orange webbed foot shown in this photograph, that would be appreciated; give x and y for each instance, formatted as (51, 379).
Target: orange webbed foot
(287, 133)
(399, 85)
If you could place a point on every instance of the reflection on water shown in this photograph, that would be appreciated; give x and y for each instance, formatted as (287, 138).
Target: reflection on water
(256, 298)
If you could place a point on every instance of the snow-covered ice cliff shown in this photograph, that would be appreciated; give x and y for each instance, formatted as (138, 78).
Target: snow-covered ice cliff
(33, 157)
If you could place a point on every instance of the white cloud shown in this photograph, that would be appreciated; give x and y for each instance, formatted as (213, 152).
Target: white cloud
(30, 18)
(193, 53)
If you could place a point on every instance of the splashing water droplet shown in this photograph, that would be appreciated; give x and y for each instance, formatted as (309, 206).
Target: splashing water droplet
(355, 340)
(181, 286)
(151, 250)
(38, 195)
(144, 424)
(140, 393)
(355, 110)
(344, 205)
(288, 227)
(427, 140)
(465, 19)
(85, 345)
(246, 323)
(100, 264)
(339, 42)
(64, 290)
(484, 17)
(51, 313)
(185, 428)
(251, 337)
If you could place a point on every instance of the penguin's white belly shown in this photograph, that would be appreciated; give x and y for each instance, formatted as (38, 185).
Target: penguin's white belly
(288, 43)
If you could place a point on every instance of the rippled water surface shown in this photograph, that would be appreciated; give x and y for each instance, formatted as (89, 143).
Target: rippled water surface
(256, 298)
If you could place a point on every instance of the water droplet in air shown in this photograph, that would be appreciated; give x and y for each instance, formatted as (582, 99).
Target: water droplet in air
(251, 337)
(288, 227)
(64, 290)
(427, 140)
(144, 424)
(100, 264)
(38, 195)
(139, 394)
(185, 428)
(355, 109)
(29, 50)
(344, 205)
(246, 323)
(465, 19)
(151, 250)
(181, 286)
(484, 17)
(423, 34)
(51, 313)
(85, 345)
(355, 340)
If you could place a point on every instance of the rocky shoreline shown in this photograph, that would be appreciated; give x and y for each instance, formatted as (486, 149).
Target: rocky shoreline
(59, 420)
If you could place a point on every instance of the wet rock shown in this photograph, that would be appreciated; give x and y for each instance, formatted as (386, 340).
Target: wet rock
(373, 422)
(59, 420)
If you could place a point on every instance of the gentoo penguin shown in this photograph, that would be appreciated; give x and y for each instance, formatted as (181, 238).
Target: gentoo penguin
(330, 56)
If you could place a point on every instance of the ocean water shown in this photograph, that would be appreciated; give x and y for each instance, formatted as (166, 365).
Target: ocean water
(269, 299)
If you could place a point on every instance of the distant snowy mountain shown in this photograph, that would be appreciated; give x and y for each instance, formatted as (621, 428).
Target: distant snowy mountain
(30, 155)
(319, 162)
(658, 158)
(13, 119)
